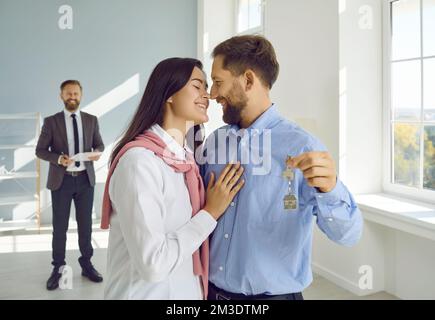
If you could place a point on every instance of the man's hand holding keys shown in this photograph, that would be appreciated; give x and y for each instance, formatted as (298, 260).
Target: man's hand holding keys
(318, 169)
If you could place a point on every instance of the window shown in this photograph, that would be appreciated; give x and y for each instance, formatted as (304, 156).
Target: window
(250, 15)
(410, 97)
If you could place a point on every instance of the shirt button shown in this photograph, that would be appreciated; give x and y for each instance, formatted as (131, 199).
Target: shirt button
(232, 204)
(330, 219)
(320, 196)
(221, 268)
(226, 235)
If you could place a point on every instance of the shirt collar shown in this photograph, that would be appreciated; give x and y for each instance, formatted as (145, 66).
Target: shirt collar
(263, 121)
(68, 113)
(172, 145)
(266, 118)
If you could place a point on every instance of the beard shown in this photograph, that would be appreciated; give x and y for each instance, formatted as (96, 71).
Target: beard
(236, 102)
(71, 104)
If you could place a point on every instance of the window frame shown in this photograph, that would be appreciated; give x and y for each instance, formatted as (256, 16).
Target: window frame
(257, 30)
(388, 150)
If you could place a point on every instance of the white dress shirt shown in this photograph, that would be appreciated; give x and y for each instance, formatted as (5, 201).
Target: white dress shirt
(70, 136)
(152, 233)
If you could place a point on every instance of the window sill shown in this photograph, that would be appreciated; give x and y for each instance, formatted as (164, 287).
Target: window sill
(417, 218)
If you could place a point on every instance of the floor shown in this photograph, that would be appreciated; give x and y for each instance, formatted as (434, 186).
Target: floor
(25, 266)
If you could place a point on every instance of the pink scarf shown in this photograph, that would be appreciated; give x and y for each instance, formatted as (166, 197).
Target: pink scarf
(154, 143)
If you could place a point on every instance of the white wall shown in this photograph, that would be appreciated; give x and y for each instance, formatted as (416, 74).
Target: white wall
(361, 95)
(402, 263)
(410, 273)
(360, 147)
(341, 264)
(305, 37)
(215, 24)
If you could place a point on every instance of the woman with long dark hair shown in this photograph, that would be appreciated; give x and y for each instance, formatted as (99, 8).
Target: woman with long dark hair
(159, 214)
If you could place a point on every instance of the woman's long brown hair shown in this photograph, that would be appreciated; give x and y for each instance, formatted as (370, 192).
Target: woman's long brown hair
(168, 77)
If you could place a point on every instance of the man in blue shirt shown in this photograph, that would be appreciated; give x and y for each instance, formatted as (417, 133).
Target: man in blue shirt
(261, 247)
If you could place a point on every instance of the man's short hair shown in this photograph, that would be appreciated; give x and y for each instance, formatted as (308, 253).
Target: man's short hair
(68, 82)
(249, 52)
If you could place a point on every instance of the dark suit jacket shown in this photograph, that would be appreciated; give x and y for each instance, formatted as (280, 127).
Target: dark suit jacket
(53, 141)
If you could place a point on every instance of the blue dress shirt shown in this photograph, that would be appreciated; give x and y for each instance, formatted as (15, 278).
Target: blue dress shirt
(258, 247)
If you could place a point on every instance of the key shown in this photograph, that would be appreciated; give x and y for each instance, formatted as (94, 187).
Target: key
(290, 199)
(290, 202)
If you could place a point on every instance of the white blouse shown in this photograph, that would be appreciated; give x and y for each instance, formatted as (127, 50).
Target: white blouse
(152, 233)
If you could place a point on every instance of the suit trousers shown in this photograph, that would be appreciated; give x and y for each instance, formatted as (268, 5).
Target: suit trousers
(75, 188)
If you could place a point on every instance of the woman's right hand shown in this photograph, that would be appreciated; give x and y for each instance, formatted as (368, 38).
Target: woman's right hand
(222, 192)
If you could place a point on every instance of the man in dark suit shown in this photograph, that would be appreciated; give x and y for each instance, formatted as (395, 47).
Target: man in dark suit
(63, 135)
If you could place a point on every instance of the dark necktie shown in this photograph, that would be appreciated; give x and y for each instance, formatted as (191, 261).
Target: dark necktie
(76, 137)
